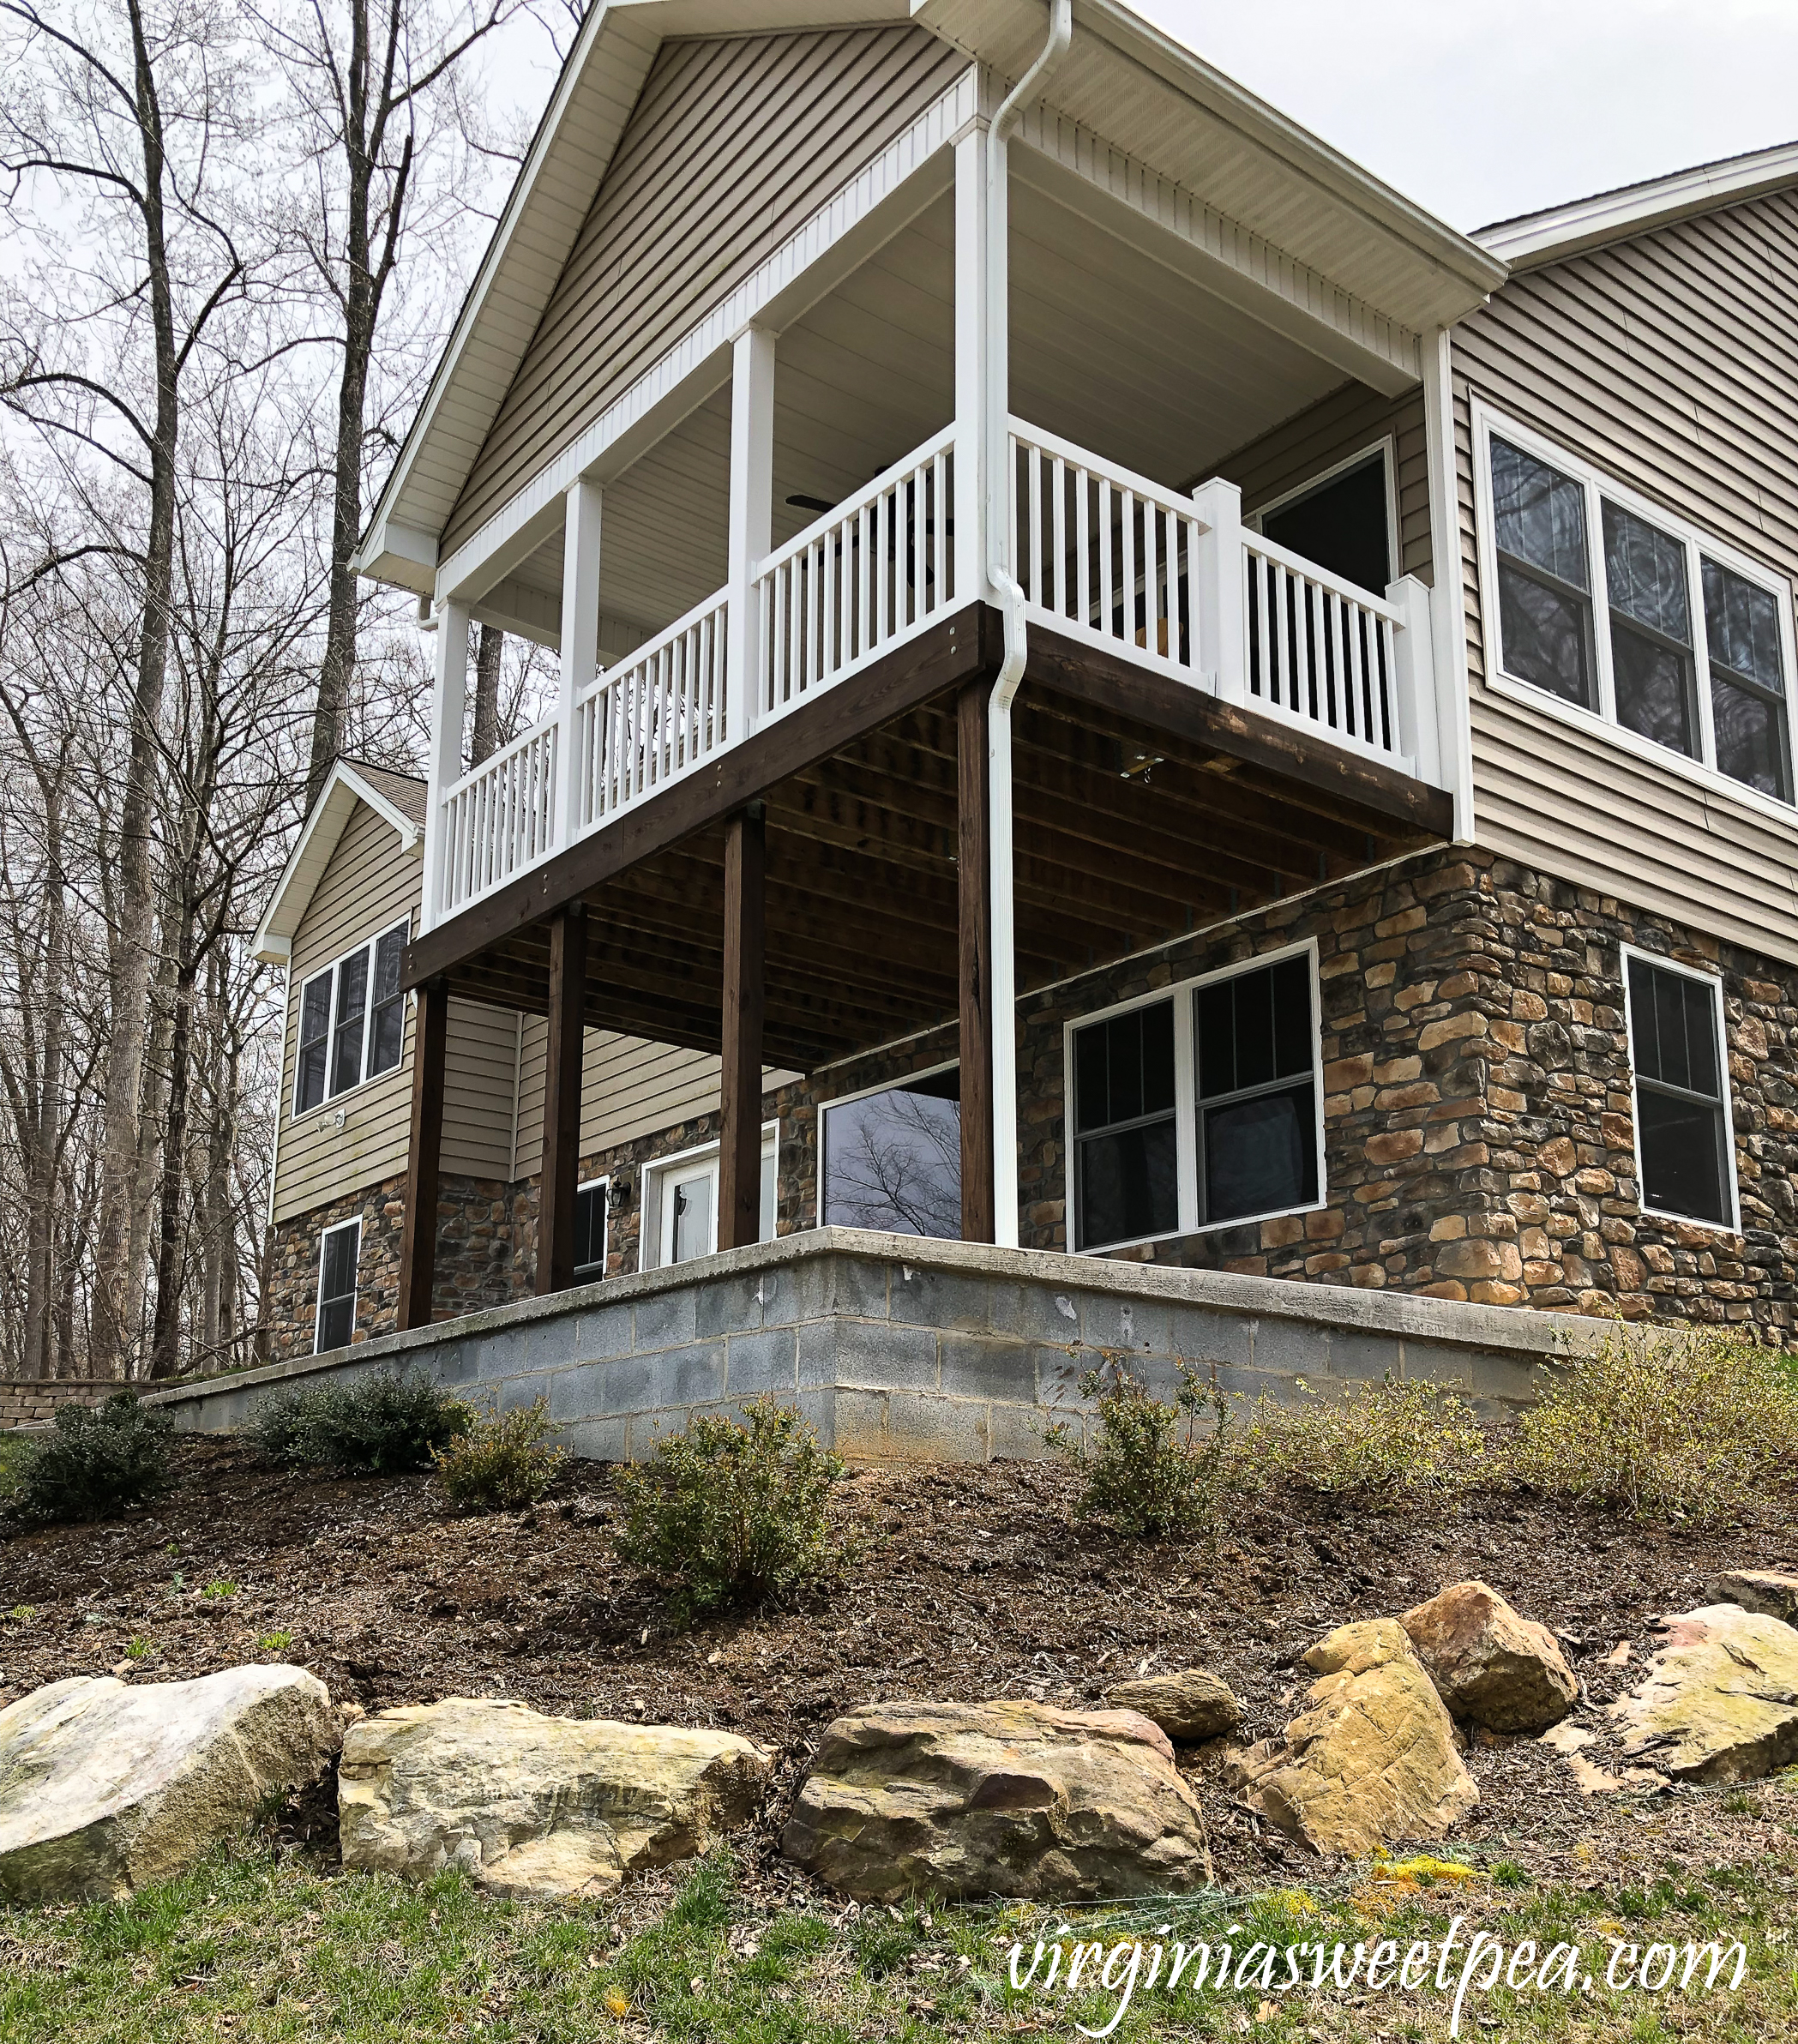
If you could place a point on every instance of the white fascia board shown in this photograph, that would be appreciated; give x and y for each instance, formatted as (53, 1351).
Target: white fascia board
(399, 556)
(344, 788)
(1540, 238)
(880, 199)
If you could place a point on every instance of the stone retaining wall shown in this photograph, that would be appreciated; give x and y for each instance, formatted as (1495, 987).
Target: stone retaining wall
(897, 1348)
(31, 1404)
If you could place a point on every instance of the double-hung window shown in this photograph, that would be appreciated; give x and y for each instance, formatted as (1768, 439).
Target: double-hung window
(1616, 607)
(591, 1202)
(339, 1250)
(1683, 1148)
(1197, 1107)
(352, 1021)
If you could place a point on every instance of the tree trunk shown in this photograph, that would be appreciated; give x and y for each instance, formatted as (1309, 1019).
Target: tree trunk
(485, 741)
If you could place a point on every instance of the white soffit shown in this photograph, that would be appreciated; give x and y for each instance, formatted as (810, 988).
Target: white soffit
(344, 788)
(1535, 238)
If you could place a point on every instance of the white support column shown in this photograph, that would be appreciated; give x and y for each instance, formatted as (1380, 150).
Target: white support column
(1414, 679)
(1448, 597)
(971, 364)
(1223, 630)
(448, 699)
(752, 519)
(580, 642)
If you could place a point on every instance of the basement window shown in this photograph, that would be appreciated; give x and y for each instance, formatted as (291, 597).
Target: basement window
(892, 1158)
(352, 1021)
(1684, 1154)
(1200, 1108)
(339, 1250)
(590, 1224)
(1694, 665)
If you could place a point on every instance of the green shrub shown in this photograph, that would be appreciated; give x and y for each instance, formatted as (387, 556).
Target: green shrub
(97, 1460)
(1397, 1440)
(15, 1450)
(501, 1464)
(1664, 1424)
(1148, 1472)
(731, 1514)
(373, 1426)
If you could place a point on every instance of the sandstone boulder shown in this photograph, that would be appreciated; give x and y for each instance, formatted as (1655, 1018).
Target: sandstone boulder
(1373, 1757)
(1491, 1666)
(1190, 1706)
(1720, 1700)
(1762, 1590)
(1011, 1799)
(105, 1787)
(535, 1805)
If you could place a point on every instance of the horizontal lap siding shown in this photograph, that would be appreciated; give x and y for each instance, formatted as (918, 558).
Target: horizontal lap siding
(368, 883)
(1671, 363)
(628, 1088)
(734, 144)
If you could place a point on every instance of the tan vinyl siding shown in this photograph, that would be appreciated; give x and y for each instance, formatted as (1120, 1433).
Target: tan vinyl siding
(733, 143)
(1670, 362)
(368, 883)
(1315, 440)
(628, 1088)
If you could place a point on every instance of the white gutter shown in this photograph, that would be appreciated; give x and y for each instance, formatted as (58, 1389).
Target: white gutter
(996, 396)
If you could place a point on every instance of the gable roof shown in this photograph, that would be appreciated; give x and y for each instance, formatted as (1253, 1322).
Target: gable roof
(1535, 238)
(1123, 79)
(398, 799)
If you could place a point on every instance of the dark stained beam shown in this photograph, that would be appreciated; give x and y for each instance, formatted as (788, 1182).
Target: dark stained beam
(418, 1233)
(561, 1100)
(974, 927)
(739, 1159)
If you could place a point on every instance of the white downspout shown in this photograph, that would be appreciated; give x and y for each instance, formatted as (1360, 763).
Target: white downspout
(997, 404)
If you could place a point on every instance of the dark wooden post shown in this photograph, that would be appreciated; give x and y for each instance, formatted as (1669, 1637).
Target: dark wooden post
(418, 1238)
(739, 1162)
(973, 872)
(561, 1099)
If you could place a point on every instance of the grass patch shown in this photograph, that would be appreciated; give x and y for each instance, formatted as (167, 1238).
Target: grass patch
(15, 1450)
(257, 1949)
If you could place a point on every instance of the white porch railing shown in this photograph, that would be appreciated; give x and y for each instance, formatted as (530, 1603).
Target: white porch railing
(499, 820)
(1320, 650)
(859, 581)
(1101, 553)
(653, 717)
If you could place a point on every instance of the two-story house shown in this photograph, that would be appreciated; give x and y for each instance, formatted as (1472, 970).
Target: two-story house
(1123, 689)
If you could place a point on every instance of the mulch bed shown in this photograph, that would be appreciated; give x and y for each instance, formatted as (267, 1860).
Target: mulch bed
(965, 1582)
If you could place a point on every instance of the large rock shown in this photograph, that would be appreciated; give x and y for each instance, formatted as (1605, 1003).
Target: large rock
(1373, 1757)
(534, 1805)
(105, 1787)
(1011, 1799)
(1762, 1590)
(1720, 1700)
(1491, 1666)
(1192, 1705)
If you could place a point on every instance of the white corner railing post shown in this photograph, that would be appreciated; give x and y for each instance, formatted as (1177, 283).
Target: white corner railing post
(1414, 680)
(448, 698)
(972, 448)
(579, 645)
(752, 521)
(1223, 630)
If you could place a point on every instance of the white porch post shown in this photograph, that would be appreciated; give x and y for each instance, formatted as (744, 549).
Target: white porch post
(448, 697)
(580, 642)
(972, 448)
(1448, 597)
(1414, 679)
(1222, 639)
(752, 519)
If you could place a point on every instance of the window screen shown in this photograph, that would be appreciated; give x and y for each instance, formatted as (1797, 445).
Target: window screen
(1126, 1149)
(1545, 605)
(387, 1025)
(1681, 1126)
(590, 1208)
(315, 1030)
(1645, 575)
(892, 1160)
(1747, 682)
(1257, 1092)
(337, 1287)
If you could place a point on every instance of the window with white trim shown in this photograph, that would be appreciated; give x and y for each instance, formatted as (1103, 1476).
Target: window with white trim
(1197, 1108)
(1685, 1155)
(1616, 607)
(680, 1203)
(590, 1215)
(352, 1020)
(890, 1158)
(340, 1250)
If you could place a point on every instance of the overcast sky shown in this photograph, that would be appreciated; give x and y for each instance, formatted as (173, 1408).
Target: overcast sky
(1480, 112)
